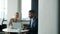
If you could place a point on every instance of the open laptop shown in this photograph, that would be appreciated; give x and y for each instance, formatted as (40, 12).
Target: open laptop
(16, 25)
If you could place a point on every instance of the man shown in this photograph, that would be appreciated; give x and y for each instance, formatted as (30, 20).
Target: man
(33, 26)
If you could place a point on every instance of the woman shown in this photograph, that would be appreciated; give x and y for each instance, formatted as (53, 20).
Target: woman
(15, 18)
(12, 20)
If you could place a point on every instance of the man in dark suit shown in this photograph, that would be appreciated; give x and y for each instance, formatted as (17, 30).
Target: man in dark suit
(33, 26)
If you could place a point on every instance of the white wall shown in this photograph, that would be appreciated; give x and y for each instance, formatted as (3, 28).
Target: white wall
(12, 7)
(48, 14)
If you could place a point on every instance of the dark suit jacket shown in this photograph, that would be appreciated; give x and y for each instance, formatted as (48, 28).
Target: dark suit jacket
(34, 28)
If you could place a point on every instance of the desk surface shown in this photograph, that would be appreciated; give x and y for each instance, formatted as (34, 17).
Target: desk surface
(14, 30)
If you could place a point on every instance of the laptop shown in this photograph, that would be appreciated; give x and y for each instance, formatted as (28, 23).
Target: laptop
(16, 25)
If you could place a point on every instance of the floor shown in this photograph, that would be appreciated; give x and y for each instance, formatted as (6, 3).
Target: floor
(4, 33)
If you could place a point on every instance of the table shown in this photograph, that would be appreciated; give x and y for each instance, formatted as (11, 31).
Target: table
(14, 30)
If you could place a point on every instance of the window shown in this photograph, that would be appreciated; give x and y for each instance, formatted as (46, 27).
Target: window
(26, 6)
(3, 8)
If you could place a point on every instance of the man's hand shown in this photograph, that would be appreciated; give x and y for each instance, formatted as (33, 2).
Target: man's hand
(24, 27)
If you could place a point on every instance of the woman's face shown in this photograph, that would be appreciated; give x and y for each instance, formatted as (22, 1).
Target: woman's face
(17, 15)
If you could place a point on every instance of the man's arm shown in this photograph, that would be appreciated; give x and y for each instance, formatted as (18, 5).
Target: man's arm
(35, 25)
(26, 26)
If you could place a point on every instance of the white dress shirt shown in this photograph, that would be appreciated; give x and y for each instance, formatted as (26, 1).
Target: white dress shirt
(31, 21)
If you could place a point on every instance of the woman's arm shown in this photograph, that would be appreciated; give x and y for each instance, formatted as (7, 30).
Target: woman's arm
(10, 22)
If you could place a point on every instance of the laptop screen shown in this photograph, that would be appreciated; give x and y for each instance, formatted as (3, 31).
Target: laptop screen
(16, 25)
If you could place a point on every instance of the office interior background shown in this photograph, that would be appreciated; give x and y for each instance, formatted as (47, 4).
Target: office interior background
(46, 10)
(8, 8)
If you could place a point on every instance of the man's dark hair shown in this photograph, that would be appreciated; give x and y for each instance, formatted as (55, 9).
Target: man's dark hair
(32, 11)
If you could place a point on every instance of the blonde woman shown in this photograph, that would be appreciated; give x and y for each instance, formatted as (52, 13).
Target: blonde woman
(15, 18)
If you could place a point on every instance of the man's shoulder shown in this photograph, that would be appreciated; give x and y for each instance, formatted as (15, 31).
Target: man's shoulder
(35, 17)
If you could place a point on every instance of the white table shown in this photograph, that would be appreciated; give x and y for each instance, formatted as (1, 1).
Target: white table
(14, 30)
